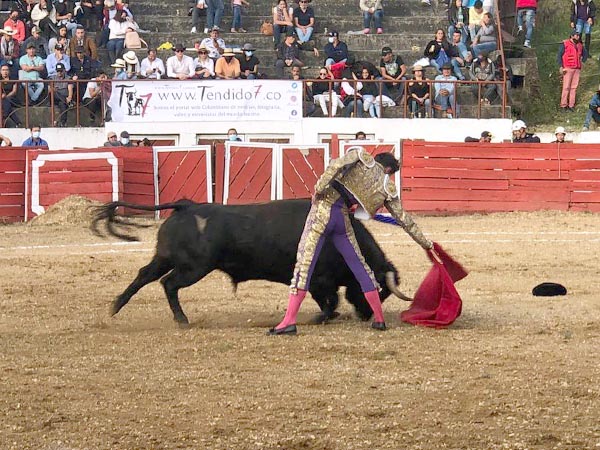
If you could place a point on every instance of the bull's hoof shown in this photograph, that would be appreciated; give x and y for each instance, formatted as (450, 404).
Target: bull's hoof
(114, 308)
(324, 317)
(290, 329)
(379, 326)
(182, 321)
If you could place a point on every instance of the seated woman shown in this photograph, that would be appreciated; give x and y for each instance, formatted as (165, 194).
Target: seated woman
(323, 93)
(418, 94)
(438, 50)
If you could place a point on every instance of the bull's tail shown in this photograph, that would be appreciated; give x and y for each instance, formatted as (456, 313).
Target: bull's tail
(107, 214)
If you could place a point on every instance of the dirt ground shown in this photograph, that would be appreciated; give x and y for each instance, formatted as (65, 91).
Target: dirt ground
(513, 372)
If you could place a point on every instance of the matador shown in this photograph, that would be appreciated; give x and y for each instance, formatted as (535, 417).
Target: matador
(358, 179)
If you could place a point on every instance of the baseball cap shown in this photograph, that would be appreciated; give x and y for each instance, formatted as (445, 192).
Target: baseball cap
(486, 134)
(36, 29)
(60, 67)
(386, 51)
(333, 34)
(575, 32)
(31, 45)
(59, 47)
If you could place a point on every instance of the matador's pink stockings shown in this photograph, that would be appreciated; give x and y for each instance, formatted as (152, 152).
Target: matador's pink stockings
(294, 303)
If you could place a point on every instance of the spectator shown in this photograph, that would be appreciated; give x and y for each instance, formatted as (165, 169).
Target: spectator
(248, 63)
(93, 99)
(526, 10)
(39, 43)
(61, 38)
(180, 66)
(593, 111)
(125, 141)
(304, 21)
(93, 13)
(571, 55)
(214, 13)
(458, 19)
(475, 17)
(393, 69)
(288, 54)
(486, 136)
(117, 27)
(5, 141)
(444, 91)
(65, 16)
(205, 66)
(35, 140)
(232, 135)
(152, 67)
(308, 106)
(323, 93)
(438, 50)
(560, 135)
(132, 65)
(282, 21)
(335, 50)
(62, 90)
(485, 39)
(351, 94)
(583, 15)
(370, 93)
(198, 10)
(483, 69)
(14, 23)
(459, 55)
(227, 66)
(32, 67)
(119, 66)
(214, 44)
(8, 89)
(58, 56)
(372, 10)
(111, 140)
(82, 68)
(418, 94)
(236, 24)
(360, 136)
(82, 40)
(520, 134)
(43, 15)
(9, 49)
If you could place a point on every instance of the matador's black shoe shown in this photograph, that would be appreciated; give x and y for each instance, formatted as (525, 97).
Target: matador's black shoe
(290, 329)
(379, 326)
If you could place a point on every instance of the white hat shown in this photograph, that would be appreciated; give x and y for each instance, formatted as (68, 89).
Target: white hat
(118, 63)
(8, 30)
(130, 57)
(518, 124)
(560, 130)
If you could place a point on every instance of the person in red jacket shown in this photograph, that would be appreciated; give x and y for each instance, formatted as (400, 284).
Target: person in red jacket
(571, 54)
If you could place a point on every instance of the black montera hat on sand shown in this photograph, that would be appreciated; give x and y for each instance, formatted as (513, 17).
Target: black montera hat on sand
(549, 290)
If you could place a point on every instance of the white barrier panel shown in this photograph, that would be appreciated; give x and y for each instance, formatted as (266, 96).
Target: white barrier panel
(206, 100)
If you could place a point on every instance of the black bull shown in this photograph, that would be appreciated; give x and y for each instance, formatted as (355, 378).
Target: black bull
(248, 242)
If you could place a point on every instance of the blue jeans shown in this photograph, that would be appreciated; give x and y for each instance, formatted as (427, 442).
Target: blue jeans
(278, 30)
(237, 17)
(589, 116)
(446, 102)
(214, 13)
(456, 69)
(582, 25)
(416, 107)
(350, 108)
(115, 48)
(484, 47)
(34, 90)
(304, 37)
(377, 17)
(529, 21)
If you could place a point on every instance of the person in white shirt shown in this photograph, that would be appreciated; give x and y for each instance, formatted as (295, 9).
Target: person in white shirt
(214, 44)
(151, 66)
(180, 66)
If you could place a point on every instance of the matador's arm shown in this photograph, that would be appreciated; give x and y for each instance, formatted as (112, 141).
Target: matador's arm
(334, 168)
(406, 221)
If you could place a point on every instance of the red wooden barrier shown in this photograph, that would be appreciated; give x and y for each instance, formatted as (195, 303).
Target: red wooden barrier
(138, 176)
(12, 184)
(249, 173)
(54, 175)
(183, 172)
(465, 177)
(301, 167)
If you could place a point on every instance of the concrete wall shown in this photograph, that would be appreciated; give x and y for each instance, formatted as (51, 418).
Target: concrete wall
(305, 131)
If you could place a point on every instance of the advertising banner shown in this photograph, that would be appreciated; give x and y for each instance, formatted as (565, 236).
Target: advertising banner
(205, 100)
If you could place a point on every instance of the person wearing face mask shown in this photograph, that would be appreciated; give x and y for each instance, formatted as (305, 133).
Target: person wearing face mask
(571, 54)
(248, 63)
(227, 66)
(232, 135)
(336, 51)
(125, 141)
(16, 24)
(35, 140)
(119, 66)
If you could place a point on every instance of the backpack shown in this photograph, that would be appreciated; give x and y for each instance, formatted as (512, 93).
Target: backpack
(266, 28)
(133, 40)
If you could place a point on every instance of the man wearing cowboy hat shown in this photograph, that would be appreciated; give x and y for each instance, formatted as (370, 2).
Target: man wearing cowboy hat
(593, 111)
(16, 24)
(227, 66)
(9, 49)
(248, 62)
(180, 66)
(151, 66)
(214, 44)
(132, 65)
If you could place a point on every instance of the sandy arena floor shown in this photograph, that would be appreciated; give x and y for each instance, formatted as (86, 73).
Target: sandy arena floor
(514, 371)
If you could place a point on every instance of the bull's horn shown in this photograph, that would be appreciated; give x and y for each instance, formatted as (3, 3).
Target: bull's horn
(390, 281)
